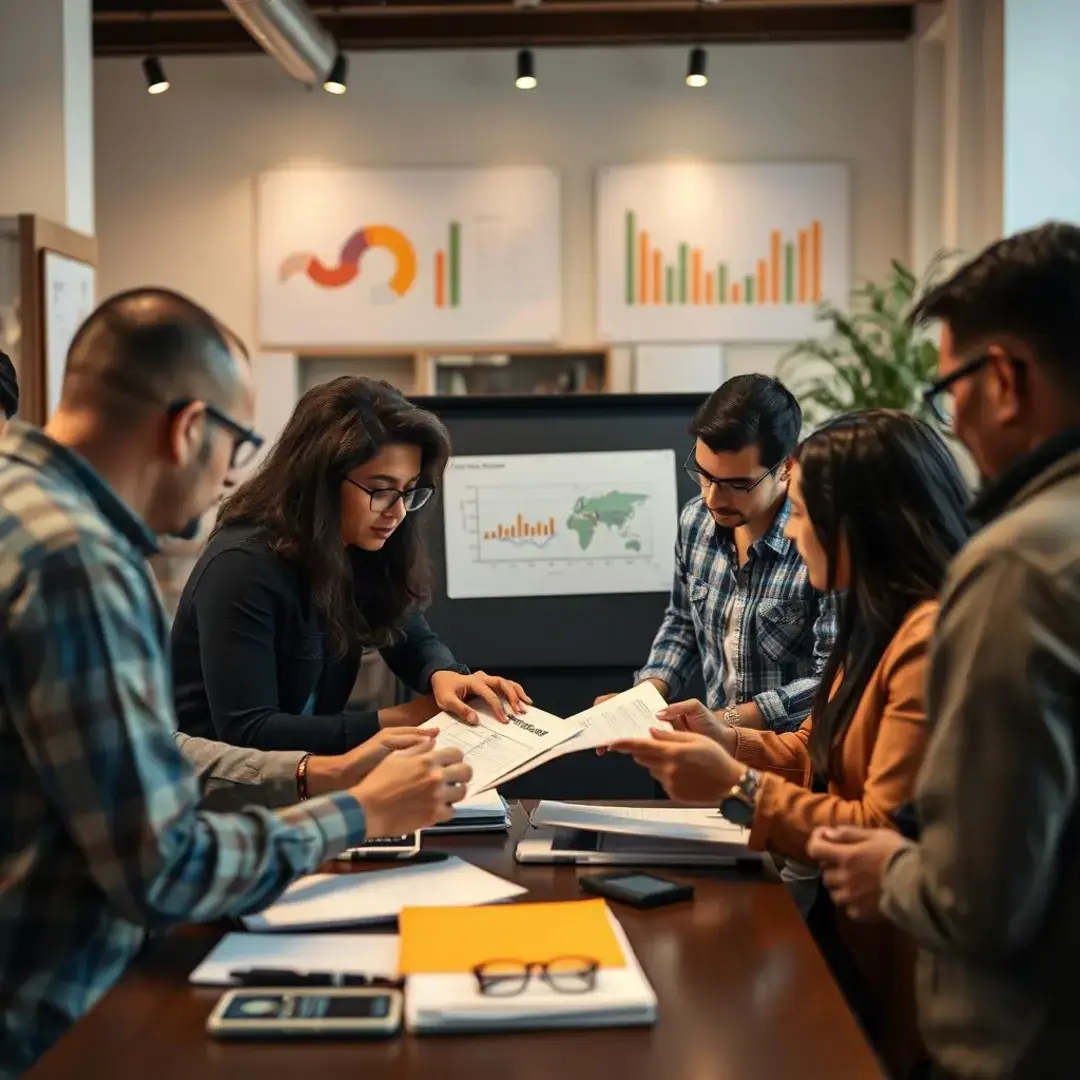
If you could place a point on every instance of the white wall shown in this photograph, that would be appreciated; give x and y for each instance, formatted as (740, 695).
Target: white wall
(1042, 112)
(175, 173)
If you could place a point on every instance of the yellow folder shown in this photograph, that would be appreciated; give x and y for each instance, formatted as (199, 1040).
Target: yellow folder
(452, 940)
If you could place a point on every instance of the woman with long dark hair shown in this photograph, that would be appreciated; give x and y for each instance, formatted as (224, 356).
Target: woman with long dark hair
(877, 513)
(316, 558)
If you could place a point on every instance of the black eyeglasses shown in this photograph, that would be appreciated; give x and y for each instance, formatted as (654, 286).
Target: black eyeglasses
(707, 480)
(564, 974)
(246, 442)
(937, 399)
(384, 499)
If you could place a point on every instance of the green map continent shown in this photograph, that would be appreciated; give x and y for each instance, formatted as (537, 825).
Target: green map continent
(613, 510)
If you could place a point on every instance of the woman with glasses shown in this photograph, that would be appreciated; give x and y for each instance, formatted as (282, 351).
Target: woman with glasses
(316, 558)
(877, 513)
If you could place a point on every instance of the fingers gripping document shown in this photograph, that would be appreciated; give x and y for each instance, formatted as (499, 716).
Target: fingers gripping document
(494, 749)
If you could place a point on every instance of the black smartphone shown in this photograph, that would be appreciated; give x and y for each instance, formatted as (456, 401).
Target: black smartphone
(294, 1013)
(637, 889)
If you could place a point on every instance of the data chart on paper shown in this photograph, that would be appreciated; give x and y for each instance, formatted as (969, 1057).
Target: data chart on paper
(560, 524)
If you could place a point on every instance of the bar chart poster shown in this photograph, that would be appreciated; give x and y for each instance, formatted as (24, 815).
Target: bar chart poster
(702, 252)
(375, 257)
(560, 524)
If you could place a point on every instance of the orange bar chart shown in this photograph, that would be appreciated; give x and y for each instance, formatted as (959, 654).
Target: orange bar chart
(521, 528)
(788, 270)
(440, 279)
(774, 266)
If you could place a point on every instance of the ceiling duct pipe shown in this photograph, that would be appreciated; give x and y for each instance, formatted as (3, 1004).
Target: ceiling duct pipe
(289, 32)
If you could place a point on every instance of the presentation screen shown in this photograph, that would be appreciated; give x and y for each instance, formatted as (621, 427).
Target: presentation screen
(553, 541)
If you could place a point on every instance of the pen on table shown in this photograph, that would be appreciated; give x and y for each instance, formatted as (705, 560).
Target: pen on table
(288, 977)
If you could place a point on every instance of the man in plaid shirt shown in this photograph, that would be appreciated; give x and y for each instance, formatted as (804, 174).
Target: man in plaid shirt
(103, 839)
(742, 610)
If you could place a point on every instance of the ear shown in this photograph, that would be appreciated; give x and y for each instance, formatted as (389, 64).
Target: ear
(186, 433)
(1005, 385)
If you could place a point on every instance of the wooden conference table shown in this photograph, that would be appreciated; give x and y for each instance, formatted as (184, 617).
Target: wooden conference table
(743, 993)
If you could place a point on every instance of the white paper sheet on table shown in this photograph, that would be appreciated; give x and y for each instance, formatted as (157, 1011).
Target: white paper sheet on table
(629, 715)
(671, 823)
(340, 954)
(325, 900)
(494, 749)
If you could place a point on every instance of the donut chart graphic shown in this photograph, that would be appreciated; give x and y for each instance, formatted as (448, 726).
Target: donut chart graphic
(348, 266)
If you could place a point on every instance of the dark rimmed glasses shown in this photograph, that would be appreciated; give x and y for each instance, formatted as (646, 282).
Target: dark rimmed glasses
(246, 442)
(706, 480)
(938, 400)
(564, 974)
(384, 499)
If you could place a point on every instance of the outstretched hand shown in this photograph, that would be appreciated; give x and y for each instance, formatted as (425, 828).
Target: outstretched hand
(452, 691)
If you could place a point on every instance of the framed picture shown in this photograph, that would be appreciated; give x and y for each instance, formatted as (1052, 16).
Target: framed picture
(68, 291)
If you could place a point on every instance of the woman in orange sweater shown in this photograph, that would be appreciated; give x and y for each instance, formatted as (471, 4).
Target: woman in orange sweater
(877, 513)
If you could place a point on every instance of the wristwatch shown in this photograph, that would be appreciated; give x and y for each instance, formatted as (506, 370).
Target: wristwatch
(731, 716)
(739, 804)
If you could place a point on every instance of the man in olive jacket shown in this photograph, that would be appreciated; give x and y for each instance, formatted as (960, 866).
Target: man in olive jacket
(991, 891)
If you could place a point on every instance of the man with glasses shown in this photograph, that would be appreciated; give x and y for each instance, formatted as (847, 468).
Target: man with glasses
(991, 889)
(103, 838)
(742, 610)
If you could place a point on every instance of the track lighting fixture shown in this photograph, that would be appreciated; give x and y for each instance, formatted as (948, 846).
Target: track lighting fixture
(337, 81)
(526, 70)
(695, 72)
(156, 80)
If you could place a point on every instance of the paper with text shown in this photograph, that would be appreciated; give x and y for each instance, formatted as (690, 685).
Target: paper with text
(630, 715)
(327, 900)
(670, 823)
(494, 749)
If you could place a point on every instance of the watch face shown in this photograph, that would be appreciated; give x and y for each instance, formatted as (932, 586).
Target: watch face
(737, 811)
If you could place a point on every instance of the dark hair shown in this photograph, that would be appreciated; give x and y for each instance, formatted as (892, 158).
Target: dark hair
(1026, 286)
(750, 410)
(148, 347)
(9, 387)
(296, 497)
(889, 485)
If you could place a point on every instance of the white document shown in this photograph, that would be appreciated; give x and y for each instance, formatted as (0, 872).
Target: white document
(339, 954)
(630, 715)
(671, 823)
(486, 812)
(560, 524)
(494, 749)
(326, 900)
(622, 997)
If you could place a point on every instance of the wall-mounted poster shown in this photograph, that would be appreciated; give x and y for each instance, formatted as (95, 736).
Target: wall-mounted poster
(68, 288)
(702, 252)
(370, 257)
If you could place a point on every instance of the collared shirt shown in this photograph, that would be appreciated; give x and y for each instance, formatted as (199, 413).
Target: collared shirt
(102, 838)
(782, 630)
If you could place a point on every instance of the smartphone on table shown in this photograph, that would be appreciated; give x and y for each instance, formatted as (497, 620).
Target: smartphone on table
(318, 1012)
(385, 848)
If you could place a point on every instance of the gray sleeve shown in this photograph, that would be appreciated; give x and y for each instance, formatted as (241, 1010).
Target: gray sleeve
(231, 777)
(999, 782)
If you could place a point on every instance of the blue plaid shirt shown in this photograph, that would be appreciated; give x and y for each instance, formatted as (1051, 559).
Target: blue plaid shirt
(102, 837)
(785, 629)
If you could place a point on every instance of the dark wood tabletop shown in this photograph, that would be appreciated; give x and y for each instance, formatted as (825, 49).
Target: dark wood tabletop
(743, 993)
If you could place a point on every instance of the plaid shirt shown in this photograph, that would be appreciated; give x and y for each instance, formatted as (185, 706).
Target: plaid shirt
(785, 629)
(102, 837)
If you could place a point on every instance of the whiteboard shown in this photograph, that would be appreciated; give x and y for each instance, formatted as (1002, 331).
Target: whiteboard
(720, 253)
(376, 257)
(69, 299)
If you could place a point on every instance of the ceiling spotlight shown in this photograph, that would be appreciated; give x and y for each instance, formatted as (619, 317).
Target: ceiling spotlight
(695, 72)
(526, 70)
(156, 81)
(336, 81)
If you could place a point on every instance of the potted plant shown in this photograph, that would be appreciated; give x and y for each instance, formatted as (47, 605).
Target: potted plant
(874, 358)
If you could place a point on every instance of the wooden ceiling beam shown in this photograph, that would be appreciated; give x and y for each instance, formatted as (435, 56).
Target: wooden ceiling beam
(181, 27)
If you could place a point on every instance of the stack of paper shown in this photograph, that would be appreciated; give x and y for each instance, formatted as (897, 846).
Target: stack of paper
(351, 899)
(653, 822)
(486, 812)
(373, 955)
(440, 948)
(495, 749)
